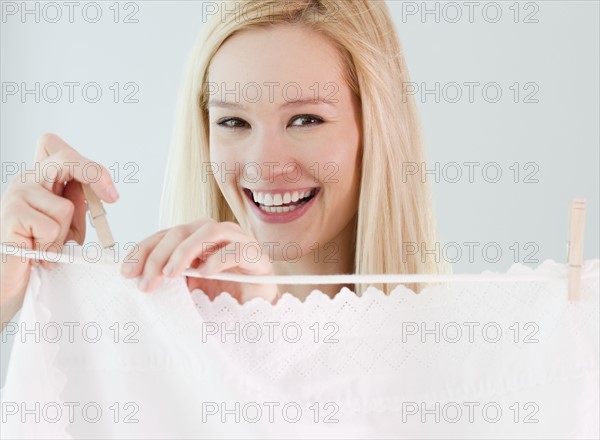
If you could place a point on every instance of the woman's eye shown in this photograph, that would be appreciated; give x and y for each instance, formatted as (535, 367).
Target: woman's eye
(233, 123)
(299, 121)
(313, 120)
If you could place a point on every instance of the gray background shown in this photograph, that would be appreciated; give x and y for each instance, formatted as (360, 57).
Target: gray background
(558, 134)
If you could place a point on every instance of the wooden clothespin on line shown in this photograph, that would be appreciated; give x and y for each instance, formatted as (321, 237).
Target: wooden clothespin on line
(575, 247)
(98, 217)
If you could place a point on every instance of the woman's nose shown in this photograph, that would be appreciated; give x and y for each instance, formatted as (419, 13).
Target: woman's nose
(269, 159)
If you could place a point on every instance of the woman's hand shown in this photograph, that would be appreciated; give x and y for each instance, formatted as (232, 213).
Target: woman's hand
(44, 207)
(211, 248)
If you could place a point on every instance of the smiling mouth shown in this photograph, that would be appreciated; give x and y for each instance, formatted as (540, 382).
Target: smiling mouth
(280, 202)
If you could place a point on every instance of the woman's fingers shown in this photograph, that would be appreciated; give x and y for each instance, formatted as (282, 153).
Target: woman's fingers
(152, 254)
(230, 258)
(59, 209)
(246, 256)
(60, 163)
(205, 241)
(210, 247)
(241, 255)
(134, 262)
(32, 227)
(46, 206)
(44, 219)
(160, 254)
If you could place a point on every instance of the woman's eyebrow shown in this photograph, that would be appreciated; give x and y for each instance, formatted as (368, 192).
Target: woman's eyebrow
(293, 103)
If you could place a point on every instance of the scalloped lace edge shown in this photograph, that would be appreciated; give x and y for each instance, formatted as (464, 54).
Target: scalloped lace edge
(549, 267)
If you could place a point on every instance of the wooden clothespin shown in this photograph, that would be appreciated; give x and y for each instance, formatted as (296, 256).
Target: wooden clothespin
(575, 247)
(98, 217)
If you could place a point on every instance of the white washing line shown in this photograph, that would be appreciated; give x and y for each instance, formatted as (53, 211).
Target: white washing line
(70, 255)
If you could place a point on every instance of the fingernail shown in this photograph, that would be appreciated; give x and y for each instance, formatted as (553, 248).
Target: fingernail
(126, 269)
(143, 284)
(168, 269)
(112, 193)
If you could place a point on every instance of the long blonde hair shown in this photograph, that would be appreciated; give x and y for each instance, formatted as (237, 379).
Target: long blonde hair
(393, 211)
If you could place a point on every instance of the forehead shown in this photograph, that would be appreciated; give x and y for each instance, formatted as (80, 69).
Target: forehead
(276, 57)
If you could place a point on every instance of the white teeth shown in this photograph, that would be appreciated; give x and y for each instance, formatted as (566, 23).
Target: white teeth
(280, 209)
(270, 202)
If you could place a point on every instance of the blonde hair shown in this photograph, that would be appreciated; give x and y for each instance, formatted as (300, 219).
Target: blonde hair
(392, 210)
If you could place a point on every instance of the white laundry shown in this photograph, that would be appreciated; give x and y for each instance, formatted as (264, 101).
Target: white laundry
(94, 357)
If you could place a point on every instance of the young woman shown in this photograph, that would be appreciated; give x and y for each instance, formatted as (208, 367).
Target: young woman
(287, 159)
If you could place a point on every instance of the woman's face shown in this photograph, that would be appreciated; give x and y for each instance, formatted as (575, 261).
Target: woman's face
(285, 137)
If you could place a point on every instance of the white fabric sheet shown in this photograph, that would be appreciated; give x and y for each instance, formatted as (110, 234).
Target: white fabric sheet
(94, 357)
